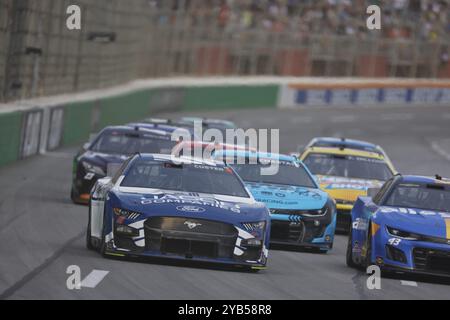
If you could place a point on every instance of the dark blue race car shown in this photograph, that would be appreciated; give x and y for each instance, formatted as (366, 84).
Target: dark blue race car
(112, 146)
(187, 209)
(405, 227)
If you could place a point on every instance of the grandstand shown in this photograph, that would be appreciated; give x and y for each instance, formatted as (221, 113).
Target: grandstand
(160, 38)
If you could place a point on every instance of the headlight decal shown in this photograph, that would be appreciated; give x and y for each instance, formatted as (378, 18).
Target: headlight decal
(403, 234)
(91, 168)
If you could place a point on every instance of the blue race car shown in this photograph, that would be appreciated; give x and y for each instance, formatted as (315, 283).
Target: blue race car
(185, 209)
(405, 227)
(301, 213)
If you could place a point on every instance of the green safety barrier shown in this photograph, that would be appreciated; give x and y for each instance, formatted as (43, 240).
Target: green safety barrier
(80, 119)
(10, 137)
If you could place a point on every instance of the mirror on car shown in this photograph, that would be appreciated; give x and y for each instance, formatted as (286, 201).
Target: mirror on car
(86, 146)
(92, 137)
(372, 192)
(112, 169)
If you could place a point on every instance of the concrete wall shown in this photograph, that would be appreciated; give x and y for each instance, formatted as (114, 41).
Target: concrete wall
(27, 127)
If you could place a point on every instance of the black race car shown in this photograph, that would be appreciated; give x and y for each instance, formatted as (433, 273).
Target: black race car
(111, 147)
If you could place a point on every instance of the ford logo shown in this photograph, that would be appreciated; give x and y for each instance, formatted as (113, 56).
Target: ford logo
(192, 209)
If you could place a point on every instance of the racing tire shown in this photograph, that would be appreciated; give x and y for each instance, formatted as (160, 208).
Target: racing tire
(89, 244)
(73, 197)
(349, 253)
(367, 260)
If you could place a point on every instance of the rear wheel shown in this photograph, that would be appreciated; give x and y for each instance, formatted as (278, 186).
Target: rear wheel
(349, 254)
(73, 196)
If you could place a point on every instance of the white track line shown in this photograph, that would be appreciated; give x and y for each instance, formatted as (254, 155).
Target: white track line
(409, 283)
(437, 148)
(93, 278)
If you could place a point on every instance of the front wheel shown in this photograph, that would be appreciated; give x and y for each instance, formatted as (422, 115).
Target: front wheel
(89, 244)
(368, 260)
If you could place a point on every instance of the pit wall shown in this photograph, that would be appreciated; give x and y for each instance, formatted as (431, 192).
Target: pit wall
(36, 126)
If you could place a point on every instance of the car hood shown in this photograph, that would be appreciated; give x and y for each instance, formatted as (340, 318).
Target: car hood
(424, 222)
(347, 189)
(153, 202)
(102, 159)
(285, 197)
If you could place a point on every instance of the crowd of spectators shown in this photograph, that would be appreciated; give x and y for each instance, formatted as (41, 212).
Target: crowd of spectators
(424, 19)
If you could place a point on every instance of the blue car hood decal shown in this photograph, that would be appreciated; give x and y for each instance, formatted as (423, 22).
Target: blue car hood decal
(285, 197)
(424, 222)
(178, 204)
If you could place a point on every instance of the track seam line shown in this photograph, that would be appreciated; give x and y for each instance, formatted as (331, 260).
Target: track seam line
(437, 148)
(30, 276)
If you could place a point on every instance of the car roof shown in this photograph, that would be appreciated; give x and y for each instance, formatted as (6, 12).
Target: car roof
(163, 127)
(226, 146)
(253, 154)
(182, 160)
(130, 129)
(346, 152)
(424, 180)
(342, 142)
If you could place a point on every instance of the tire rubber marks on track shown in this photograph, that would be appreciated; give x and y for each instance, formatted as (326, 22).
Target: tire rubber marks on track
(59, 155)
(302, 120)
(94, 278)
(397, 117)
(344, 119)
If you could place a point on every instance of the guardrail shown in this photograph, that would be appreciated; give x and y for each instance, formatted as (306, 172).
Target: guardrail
(35, 126)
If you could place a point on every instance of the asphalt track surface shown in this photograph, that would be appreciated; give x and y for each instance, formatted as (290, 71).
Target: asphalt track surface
(42, 232)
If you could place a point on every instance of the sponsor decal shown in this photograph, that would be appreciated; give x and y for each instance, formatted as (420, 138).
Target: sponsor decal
(346, 186)
(192, 209)
(360, 224)
(189, 202)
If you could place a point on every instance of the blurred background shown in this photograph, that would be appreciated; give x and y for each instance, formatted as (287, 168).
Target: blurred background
(125, 40)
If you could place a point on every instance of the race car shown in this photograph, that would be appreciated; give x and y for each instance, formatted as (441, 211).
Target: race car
(112, 146)
(405, 227)
(302, 215)
(188, 210)
(347, 174)
(327, 142)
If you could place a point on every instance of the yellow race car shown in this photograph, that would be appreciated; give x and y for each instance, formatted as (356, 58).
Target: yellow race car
(345, 174)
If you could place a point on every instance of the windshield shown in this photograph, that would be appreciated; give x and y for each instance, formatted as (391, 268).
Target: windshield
(348, 167)
(116, 142)
(289, 174)
(186, 178)
(424, 197)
